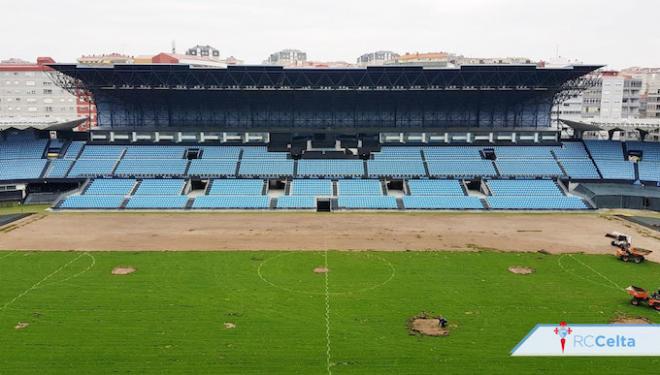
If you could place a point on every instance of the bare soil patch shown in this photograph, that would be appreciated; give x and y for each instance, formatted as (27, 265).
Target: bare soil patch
(623, 319)
(123, 270)
(321, 270)
(229, 325)
(130, 231)
(21, 325)
(521, 270)
(426, 325)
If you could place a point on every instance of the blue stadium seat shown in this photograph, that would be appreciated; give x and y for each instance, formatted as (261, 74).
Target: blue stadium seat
(452, 153)
(524, 187)
(296, 202)
(74, 149)
(524, 152)
(157, 202)
(330, 168)
(154, 152)
(161, 187)
(528, 168)
(110, 186)
(461, 168)
(366, 202)
(616, 169)
(231, 202)
(396, 168)
(22, 169)
(398, 153)
(435, 187)
(650, 150)
(318, 188)
(58, 168)
(265, 168)
(649, 170)
(220, 152)
(92, 168)
(610, 150)
(359, 187)
(22, 147)
(212, 167)
(151, 167)
(571, 150)
(236, 187)
(535, 203)
(102, 152)
(261, 152)
(580, 169)
(92, 201)
(442, 202)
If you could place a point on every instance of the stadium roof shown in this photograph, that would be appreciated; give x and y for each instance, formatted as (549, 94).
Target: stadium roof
(581, 126)
(266, 77)
(593, 189)
(26, 124)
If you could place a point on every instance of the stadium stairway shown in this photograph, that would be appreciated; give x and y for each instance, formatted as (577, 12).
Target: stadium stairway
(562, 187)
(135, 187)
(496, 169)
(591, 158)
(189, 204)
(44, 171)
(425, 164)
(561, 167)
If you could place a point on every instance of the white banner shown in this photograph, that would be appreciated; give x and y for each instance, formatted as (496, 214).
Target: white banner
(590, 340)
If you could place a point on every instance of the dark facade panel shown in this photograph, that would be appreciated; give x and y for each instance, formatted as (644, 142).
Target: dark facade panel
(268, 98)
(320, 110)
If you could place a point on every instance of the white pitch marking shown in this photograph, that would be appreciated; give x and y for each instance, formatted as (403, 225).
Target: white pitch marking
(75, 275)
(598, 273)
(36, 285)
(327, 314)
(6, 255)
(559, 263)
(290, 290)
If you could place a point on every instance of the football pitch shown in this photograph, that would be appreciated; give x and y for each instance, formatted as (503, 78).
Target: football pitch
(254, 312)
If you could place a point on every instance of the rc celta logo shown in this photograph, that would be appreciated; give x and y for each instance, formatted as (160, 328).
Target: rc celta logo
(562, 331)
(590, 340)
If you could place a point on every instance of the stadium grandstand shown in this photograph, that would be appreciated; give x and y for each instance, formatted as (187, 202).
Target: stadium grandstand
(271, 138)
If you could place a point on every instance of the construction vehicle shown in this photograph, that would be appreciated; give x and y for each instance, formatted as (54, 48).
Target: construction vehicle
(639, 295)
(625, 251)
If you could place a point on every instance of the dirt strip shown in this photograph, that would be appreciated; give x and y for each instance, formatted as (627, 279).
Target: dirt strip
(309, 231)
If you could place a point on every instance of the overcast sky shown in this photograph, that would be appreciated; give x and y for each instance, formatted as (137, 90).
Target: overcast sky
(619, 33)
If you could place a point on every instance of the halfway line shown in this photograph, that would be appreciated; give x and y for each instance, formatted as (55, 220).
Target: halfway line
(327, 314)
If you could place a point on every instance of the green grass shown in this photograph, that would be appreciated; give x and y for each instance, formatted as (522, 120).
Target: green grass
(19, 209)
(168, 316)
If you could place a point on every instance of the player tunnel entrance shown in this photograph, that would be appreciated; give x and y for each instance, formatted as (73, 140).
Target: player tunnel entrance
(323, 205)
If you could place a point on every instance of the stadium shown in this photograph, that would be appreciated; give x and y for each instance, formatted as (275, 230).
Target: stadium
(349, 204)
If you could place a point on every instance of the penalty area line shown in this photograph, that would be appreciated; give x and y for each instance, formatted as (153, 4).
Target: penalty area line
(36, 285)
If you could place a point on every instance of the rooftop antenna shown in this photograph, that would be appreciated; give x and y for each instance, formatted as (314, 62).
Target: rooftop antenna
(173, 46)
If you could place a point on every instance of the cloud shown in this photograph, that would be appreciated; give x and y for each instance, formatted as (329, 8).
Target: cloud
(619, 33)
